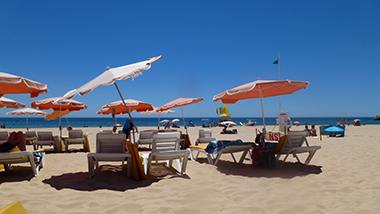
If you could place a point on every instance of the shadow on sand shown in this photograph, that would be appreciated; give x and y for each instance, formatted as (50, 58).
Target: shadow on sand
(110, 177)
(287, 171)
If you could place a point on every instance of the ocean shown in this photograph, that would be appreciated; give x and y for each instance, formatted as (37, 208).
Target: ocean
(40, 122)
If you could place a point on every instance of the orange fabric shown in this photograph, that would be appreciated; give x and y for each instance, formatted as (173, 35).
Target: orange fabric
(138, 173)
(179, 102)
(12, 84)
(268, 88)
(119, 108)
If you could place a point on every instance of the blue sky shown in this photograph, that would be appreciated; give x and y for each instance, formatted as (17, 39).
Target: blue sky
(208, 47)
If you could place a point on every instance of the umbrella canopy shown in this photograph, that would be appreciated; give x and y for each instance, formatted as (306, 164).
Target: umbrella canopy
(26, 111)
(58, 104)
(205, 119)
(164, 121)
(57, 114)
(260, 89)
(179, 103)
(175, 121)
(119, 108)
(228, 123)
(334, 129)
(12, 84)
(5, 102)
(111, 75)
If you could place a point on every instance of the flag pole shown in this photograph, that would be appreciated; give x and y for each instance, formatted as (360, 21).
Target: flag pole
(278, 65)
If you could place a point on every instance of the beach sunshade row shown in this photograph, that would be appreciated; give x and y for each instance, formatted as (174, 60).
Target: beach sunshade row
(12, 84)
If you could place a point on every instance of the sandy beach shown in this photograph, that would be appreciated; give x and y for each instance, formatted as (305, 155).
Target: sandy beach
(343, 177)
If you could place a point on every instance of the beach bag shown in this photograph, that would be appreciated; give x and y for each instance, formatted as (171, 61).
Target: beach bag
(268, 159)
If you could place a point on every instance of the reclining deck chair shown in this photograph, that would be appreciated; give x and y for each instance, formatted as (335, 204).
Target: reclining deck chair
(205, 136)
(8, 158)
(47, 139)
(166, 146)
(75, 137)
(146, 137)
(293, 145)
(3, 136)
(109, 147)
(221, 147)
(30, 136)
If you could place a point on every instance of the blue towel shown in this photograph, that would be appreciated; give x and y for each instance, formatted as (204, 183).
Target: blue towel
(218, 145)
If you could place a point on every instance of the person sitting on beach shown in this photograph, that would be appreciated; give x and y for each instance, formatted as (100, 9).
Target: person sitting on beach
(167, 125)
(191, 123)
(308, 130)
(226, 131)
(313, 132)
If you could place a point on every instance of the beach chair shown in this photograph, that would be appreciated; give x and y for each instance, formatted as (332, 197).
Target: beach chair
(8, 158)
(109, 147)
(30, 136)
(3, 136)
(166, 146)
(75, 137)
(294, 145)
(221, 147)
(46, 138)
(146, 137)
(12, 208)
(205, 136)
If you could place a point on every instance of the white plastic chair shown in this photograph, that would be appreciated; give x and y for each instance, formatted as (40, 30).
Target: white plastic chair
(166, 146)
(75, 137)
(47, 139)
(205, 136)
(109, 147)
(294, 145)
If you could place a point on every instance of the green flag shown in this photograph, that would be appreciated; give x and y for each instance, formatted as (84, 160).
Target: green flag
(276, 61)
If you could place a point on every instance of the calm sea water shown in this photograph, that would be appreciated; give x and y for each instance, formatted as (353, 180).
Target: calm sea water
(39, 122)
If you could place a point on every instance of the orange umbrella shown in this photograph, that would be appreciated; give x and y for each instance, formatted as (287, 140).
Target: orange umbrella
(260, 89)
(60, 106)
(57, 114)
(154, 111)
(5, 102)
(133, 105)
(26, 111)
(179, 103)
(12, 84)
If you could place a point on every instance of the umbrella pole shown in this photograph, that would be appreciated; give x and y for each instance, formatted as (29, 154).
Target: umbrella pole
(67, 121)
(262, 109)
(129, 114)
(27, 128)
(184, 121)
(60, 127)
(158, 125)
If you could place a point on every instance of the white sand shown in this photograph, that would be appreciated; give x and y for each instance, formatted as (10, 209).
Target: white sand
(343, 177)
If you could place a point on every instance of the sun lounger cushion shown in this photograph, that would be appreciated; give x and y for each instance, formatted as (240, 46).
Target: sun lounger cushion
(218, 145)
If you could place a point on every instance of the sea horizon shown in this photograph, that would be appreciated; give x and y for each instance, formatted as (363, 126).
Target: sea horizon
(40, 122)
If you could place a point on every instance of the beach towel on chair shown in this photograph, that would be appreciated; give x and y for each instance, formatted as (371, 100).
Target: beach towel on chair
(218, 145)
